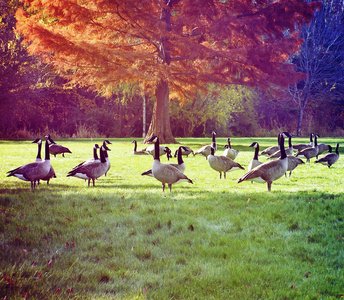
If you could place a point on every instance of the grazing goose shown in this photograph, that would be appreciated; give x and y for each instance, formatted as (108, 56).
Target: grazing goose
(92, 170)
(206, 150)
(322, 148)
(299, 147)
(293, 162)
(162, 150)
(288, 151)
(310, 152)
(106, 149)
(51, 173)
(185, 151)
(270, 170)
(56, 148)
(270, 150)
(229, 152)
(35, 171)
(165, 173)
(95, 157)
(222, 163)
(329, 158)
(141, 152)
(180, 165)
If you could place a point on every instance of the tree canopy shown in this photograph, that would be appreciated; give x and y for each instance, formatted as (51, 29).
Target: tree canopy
(172, 48)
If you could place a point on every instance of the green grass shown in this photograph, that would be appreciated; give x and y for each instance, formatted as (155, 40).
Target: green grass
(126, 239)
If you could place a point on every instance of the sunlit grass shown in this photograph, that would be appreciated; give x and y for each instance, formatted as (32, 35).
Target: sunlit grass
(126, 239)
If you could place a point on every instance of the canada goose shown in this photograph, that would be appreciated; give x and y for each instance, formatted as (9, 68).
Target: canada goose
(56, 148)
(288, 151)
(95, 157)
(180, 165)
(33, 171)
(293, 162)
(270, 170)
(105, 150)
(185, 151)
(206, 150)
(270, 150)
(165, 173)
(299, 147)
(92, 170)
(254, 162)
(310, 152)
(329, 158)
(222, 163)
(229, 152)
(51, 173)
(322, 148)
(141, 152)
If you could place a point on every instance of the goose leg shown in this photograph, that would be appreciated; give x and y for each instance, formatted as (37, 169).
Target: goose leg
(163, 187)
(224, 175)
(93, 181)
(170, 186)
(269, 185)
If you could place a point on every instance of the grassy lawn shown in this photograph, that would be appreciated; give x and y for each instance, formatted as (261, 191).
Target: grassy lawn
(126, 239)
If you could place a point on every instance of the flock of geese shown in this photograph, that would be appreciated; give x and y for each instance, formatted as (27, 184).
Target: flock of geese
(280, 160)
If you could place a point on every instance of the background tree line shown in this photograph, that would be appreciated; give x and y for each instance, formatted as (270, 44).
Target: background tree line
(34, 100)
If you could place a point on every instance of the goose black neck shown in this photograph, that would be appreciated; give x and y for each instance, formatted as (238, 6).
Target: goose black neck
(212, 151)
(281, 144)
(102, 154)
(180, 159)
(337, 149)
(47, 154)
(256, 151)
(229, 144)
(157, 149)
(311, 138)
(95, 155)
(135, 145)
(315, 140)
(39, 151)
(290, 145)
(213, 144)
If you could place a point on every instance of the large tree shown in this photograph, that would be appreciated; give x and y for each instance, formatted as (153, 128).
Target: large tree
(171, 47)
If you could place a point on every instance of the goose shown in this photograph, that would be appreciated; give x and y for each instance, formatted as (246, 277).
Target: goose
(165, 173)
(288, 151)
(185, 151)
(206, 150)
(329, 158)
(222, 163)
(322, 148)
(180, 165)
(162, 150)
(106, 149)
(229, 152)
(95, 157)
(270, 150)
(299, 147)
(254, 162)
(92, 170)
(293, 162)
(51, 173)
(57, 148)
(270, 170)
(141, 152)
(33, 171)
(310, 152)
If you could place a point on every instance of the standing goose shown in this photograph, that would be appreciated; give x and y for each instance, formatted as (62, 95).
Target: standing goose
(254, 162)
(51, 173)
(57, 148)
(180, 165)
(35, 171)
(141, 152)
(185, 151)
(206, 150)
(229, 152)
(92, 170)
(165, 173)
(293, 162)
(95, 157)
(105, 150)
(322, 148)
(288, 151)
(222, 163)
(299, 147)
(310, 152)
(162, 150)
(270, 170)
(329, 158)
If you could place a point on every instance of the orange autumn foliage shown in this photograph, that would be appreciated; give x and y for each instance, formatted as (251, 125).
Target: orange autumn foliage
(187, 43)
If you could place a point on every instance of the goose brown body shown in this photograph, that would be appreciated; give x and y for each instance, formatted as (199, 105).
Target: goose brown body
(310, 152)
(329, 158)
(229, 151)
(56, 149)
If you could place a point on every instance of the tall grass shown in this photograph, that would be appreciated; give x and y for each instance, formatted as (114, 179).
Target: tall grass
(126, 239)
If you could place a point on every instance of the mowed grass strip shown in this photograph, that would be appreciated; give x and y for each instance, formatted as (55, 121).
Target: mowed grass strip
(126, 239)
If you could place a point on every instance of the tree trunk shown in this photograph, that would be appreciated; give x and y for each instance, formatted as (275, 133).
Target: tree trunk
(299, 122)
(160, 123)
